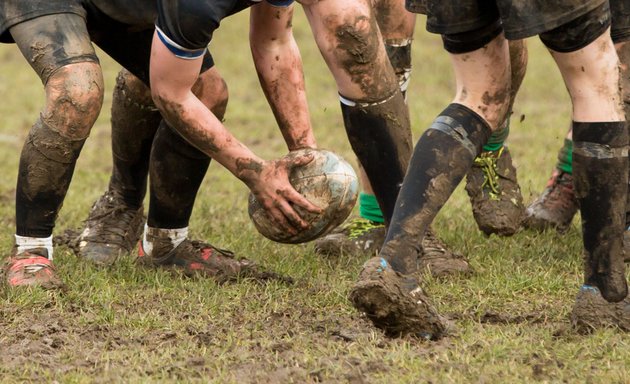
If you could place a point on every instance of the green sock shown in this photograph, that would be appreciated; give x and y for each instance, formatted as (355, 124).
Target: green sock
(565, 157)
(369, 209)
(497, 138)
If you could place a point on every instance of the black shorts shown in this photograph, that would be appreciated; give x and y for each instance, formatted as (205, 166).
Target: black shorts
(519, 18)
(57, 33)
(620, 28)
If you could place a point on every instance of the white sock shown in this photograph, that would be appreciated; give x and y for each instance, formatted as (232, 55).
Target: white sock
(25, 243)
(174, 236)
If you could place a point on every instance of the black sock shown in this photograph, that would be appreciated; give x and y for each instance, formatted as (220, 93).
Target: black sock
(380, 136)
(442, 157)
(134, 123)
(45, 171)
(600, 177)
(177, 170)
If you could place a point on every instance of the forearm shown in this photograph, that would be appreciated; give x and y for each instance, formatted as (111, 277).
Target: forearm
(279, 68)
(202, 128)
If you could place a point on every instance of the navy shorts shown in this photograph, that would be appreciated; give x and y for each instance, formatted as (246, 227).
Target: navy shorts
(519, 18)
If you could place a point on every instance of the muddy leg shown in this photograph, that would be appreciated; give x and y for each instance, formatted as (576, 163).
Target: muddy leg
(600, 163)
(600, 160)
(445, 152)
(135, 120)
(177, 170)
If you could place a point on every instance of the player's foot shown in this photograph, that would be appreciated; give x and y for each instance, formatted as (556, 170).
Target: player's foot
(358, 236)
(111, 229)
(395, 303)
(361, 237)
(626, 244)
(31, 268)
(494, 193)
(555, 207)
(196, 258)
(438, 260)
(591, 311)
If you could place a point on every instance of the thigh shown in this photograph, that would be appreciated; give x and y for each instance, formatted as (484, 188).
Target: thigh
(53, 41)
(395, 22)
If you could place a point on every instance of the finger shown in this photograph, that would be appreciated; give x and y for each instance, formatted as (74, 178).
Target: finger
(297, 199)
(280, 219)
(300, 160)
(293, 217)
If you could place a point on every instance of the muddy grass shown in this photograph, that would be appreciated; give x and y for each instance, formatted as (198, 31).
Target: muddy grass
(147, 334)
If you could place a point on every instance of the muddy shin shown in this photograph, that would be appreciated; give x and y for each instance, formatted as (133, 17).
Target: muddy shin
(177, 170)
(600, 174)
(442, 157)
(45, 171)
(134, 122)
(380, 136)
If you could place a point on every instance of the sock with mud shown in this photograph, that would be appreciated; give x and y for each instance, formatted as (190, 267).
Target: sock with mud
(600, 176)
(158, 242)
(24, 243)
(177, 170)
(380, 136)
(399, 54)
(442, 157)
(369, 209)
(134, 123)
(46, 166)
(497, 138)
(565, 157)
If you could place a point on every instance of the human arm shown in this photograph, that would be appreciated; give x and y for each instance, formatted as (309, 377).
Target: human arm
(279, 67)
(172, 79)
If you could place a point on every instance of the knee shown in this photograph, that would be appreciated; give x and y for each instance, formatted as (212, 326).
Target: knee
(129, 88)
(212, 90)
(74, 96)
(360, 53)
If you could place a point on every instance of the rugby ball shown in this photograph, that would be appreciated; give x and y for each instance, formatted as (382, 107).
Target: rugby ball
(329, 182)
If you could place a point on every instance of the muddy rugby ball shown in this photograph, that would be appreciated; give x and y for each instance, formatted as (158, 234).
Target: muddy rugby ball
(328, 182)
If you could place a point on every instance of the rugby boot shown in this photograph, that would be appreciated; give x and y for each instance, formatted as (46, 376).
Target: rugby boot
(395, 303)
(494, 193)
(438, 260)
(591, 311)
(111, 229)
(31, 268)
(358, 236)
(196, 258)
(555, 207)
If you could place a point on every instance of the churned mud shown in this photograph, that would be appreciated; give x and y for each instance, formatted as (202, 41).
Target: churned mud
(395, 303)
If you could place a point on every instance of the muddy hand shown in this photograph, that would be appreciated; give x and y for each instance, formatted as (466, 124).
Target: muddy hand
(275, 193)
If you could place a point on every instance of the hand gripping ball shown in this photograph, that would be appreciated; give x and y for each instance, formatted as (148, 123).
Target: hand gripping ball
(329, 182)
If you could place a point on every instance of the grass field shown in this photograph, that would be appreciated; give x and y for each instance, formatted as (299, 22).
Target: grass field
(124, 324)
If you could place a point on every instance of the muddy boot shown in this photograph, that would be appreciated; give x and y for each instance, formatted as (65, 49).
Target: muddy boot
(591, 311)
(555, 207)
(438, 260)
(357, 237)
(494, 193)
(395, 303)
(111, 229)
(31, 268)
(196, 258)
